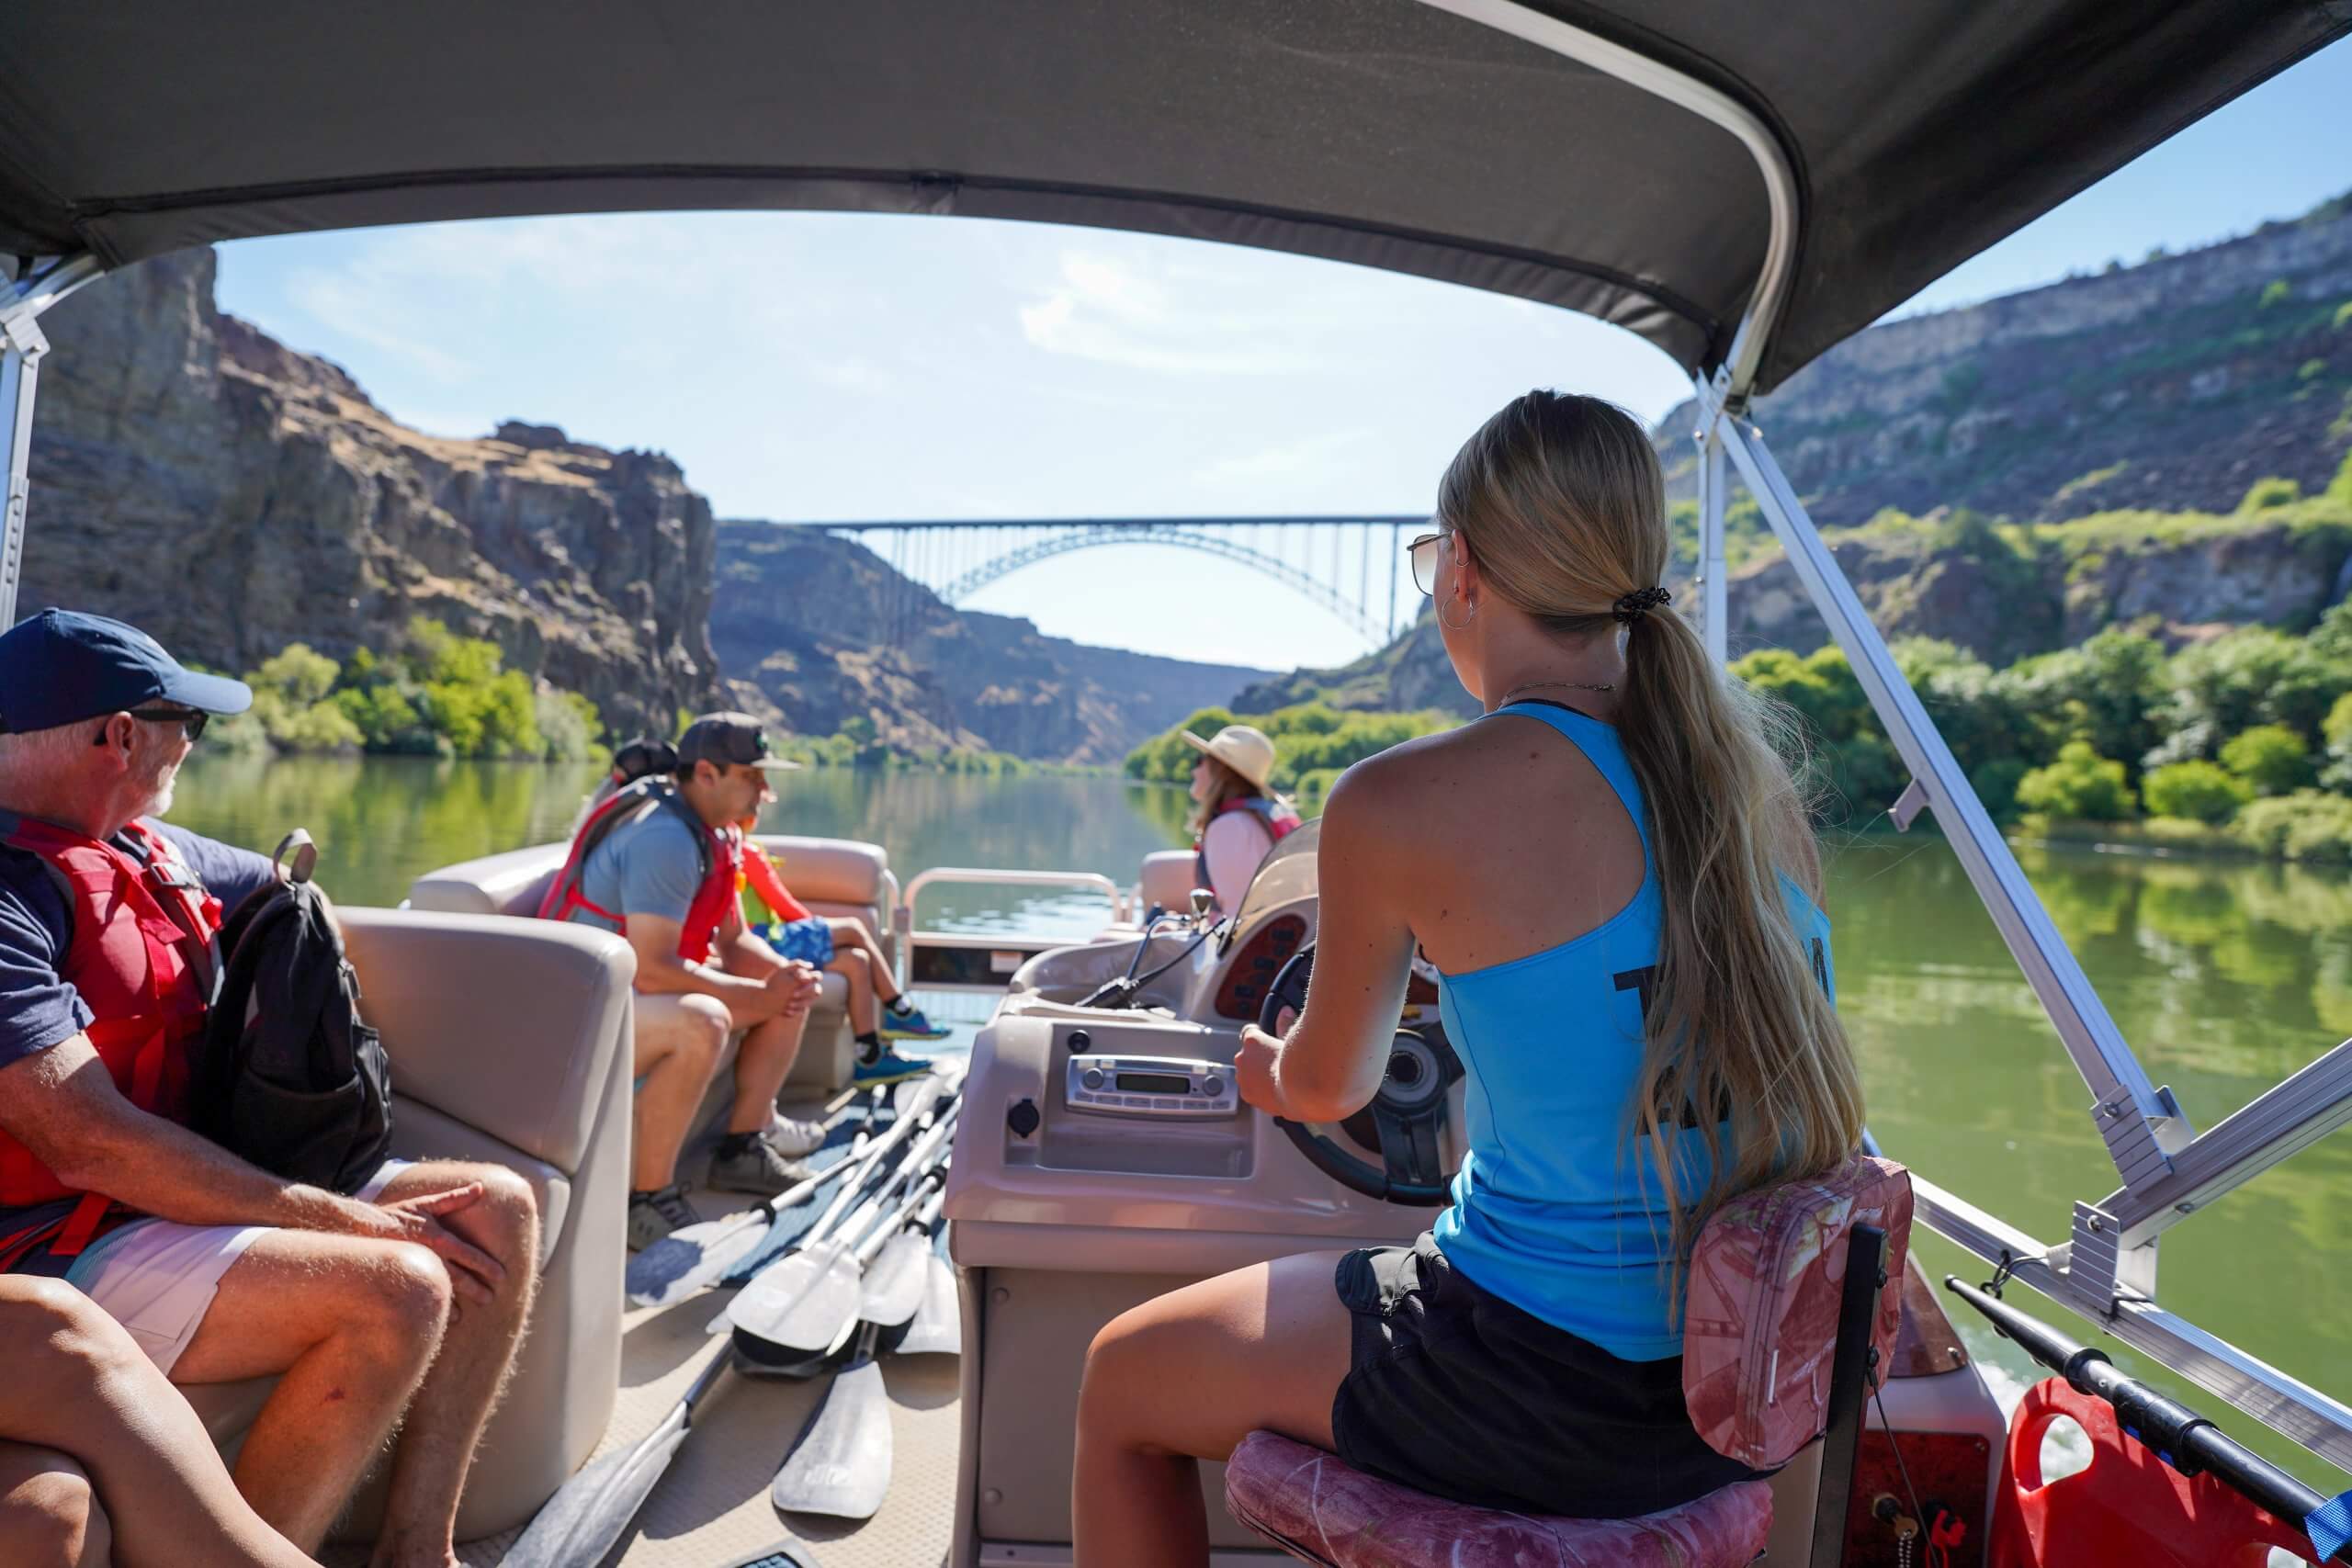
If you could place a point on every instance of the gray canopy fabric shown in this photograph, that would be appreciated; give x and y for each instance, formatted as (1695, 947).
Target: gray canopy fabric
(1384, 132)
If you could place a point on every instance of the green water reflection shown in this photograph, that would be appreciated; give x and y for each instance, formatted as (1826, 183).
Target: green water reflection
(2226, 976)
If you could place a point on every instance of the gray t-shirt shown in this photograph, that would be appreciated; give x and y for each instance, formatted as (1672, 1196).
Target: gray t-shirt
(650, 866)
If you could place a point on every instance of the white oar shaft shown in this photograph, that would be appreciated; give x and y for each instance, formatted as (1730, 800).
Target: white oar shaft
(890, 1227)
(920, 1159)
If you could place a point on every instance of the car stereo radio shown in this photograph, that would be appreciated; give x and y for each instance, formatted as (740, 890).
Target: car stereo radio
(1151, 1085)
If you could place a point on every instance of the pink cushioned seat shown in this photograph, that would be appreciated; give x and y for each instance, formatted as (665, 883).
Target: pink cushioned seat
(1315, 1506)
(1768, 1304)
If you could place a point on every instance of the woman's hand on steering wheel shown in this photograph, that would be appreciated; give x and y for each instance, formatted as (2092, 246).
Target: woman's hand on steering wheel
(1253, 1070)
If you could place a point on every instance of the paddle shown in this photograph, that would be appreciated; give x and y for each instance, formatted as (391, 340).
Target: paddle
(801, 1303)
(581, 1521)
(892, 1288)
(919, 1110)
(584, 1519)
(840, 1465)
(938, 1328)
(879, 1158)
(693, 1257)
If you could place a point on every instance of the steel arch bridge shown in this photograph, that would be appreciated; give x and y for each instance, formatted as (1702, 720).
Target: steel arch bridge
(1332, 561)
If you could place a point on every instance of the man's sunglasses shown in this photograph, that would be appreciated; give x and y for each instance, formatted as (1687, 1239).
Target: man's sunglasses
(1422, 552)
(191, 721)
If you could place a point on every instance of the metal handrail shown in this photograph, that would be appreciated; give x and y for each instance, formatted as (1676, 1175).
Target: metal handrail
(902, 916)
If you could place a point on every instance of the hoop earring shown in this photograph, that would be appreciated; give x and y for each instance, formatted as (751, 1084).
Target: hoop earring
(1449, 626)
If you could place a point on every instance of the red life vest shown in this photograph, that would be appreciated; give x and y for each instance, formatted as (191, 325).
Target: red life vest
(142, 956)
(1276, 818)
(723, 871)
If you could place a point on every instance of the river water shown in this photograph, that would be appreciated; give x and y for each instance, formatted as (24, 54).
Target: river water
(2224, 976)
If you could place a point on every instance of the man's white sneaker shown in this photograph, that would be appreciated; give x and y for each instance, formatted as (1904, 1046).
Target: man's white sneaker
(793, 1139)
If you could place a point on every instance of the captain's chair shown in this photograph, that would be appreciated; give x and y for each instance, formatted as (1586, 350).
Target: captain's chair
(1796, 1294)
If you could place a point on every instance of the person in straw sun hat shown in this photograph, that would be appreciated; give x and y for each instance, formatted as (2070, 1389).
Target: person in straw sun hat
(1237, 818)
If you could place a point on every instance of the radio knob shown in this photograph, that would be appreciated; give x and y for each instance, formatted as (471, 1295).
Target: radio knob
(1211, 1086)
(1091, 1077)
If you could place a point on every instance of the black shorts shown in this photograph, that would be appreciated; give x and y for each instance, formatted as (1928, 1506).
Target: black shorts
(1453, 1390)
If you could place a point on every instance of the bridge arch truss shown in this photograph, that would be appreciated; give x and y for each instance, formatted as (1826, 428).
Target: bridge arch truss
(957, 560)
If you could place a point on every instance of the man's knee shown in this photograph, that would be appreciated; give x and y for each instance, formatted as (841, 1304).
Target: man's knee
(692, 1029)
(702, 1026)
(49, 1515)
(398, 1304)
(510, 1213)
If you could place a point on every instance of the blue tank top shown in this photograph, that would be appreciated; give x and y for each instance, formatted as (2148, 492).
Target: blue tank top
(1554, 1209)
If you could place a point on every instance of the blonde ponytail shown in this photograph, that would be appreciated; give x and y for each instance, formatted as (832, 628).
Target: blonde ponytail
(1562, 503)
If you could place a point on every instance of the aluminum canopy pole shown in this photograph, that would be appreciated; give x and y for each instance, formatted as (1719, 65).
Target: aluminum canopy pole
(22, 348)
(2140, 1124)
(1715, 610)
(1718, 108)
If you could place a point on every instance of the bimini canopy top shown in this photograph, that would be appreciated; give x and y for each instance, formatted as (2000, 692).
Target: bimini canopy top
(1843, 153)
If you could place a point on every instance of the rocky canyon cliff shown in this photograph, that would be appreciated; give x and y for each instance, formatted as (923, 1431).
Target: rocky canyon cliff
(195, 476)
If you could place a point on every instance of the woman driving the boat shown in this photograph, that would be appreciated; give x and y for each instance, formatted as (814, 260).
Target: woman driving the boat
(1613, 873)
(1236, 817)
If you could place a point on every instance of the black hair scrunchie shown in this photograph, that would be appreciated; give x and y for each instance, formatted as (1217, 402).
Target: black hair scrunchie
(1640, 602)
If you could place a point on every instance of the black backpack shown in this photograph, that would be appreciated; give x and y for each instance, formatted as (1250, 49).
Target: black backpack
(291, 1080)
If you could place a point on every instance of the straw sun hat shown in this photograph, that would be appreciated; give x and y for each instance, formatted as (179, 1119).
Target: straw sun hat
(1245, 750)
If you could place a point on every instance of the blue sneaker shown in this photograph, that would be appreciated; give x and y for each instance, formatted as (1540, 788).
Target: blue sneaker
(910, 1025)
(888, 1067)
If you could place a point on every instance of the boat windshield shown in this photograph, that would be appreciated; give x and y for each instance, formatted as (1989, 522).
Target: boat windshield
(1284, 877)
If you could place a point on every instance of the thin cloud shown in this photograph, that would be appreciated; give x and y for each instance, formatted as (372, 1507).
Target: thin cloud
(1180, 318)
(1310, 457)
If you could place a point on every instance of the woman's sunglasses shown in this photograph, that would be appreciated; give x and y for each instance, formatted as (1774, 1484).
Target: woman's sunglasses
(1422, 552)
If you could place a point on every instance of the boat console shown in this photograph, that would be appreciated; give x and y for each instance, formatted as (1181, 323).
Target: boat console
(1106, 1157)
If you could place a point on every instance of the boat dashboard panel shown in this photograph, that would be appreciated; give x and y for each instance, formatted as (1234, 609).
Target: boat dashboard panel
(1252, 969)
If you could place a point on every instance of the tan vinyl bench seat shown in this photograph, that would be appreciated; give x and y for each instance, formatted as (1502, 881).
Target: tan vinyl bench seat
(836, 877)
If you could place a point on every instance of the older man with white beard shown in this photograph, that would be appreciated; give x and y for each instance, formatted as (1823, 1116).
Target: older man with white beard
(395, 1307)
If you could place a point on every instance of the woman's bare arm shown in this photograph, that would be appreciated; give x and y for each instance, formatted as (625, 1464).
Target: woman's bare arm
(1331, 1062)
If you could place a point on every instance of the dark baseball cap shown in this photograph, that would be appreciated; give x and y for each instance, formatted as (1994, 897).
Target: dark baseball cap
(724, 737)
(61, 666)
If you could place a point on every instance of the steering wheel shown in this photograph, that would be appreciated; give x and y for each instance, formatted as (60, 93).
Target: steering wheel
(1405, 1117)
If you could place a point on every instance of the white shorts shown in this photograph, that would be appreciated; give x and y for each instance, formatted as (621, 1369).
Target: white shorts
(157, 1278)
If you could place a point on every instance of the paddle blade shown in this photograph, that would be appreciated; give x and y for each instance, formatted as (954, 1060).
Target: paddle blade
(892, 1288)
(693, 1257)
(802, 1303)
(938, 1328)
(841, 1466)
(581, 1522)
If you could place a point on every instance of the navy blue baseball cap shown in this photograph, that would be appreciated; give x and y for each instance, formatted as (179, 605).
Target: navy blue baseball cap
(61, 666)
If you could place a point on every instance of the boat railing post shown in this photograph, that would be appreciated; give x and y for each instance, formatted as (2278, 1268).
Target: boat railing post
(2140, 1123)
(22, 348)
(1714, 614)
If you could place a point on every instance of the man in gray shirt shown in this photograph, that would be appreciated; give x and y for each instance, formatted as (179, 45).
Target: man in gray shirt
(665, 879)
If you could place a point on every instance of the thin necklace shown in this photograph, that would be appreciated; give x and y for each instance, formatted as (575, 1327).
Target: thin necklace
(1562, 685)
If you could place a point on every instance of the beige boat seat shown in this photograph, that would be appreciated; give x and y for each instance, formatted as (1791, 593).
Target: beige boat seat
(1167, 881)
(832, 876)
(509, 1044)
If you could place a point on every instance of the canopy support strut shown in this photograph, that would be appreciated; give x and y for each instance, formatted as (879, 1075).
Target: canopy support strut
(22, 346)
(2140, 1123)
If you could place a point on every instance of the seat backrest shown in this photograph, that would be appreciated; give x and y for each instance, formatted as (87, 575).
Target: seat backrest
(1167, 878)
(509, 1043)
(508, 884)
(830, 871)
(1766, 1281)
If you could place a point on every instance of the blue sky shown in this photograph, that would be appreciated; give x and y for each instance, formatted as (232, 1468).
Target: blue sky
(829, 367)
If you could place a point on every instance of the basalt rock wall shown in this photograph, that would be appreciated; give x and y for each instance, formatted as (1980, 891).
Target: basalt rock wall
(194, 476)
(831, 635)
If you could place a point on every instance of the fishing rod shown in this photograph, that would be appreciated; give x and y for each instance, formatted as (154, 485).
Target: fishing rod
(2177, 1435)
